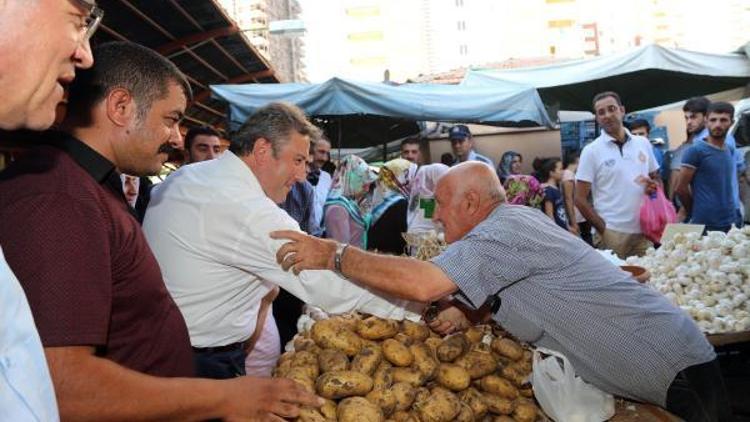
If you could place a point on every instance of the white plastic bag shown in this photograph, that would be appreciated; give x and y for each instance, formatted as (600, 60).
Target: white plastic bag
(565, 397)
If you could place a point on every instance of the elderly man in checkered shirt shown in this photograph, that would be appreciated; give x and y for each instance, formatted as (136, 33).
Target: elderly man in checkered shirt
(555, 292)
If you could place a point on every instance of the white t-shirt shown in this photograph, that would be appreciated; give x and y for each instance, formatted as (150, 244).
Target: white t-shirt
(208, 226)
(614, 175)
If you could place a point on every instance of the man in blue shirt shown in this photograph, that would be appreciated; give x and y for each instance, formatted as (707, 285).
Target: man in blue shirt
(463, 146)
(706, 187)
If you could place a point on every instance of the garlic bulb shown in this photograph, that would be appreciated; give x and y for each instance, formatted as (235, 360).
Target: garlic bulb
(708, 277)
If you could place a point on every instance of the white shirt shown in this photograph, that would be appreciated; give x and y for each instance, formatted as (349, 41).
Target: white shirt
(208, 226)
(614, 178)
(26, 392)
(321, 193)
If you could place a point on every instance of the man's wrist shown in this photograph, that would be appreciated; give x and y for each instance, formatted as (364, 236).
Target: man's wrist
(338, 257)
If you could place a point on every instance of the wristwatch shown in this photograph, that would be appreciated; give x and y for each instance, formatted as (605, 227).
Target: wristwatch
(340, 248)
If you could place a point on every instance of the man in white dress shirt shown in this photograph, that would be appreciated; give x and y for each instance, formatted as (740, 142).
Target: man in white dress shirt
(209, 226)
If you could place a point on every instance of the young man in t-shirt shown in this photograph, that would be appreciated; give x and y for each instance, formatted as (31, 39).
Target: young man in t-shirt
(618, 168)
(705, 184)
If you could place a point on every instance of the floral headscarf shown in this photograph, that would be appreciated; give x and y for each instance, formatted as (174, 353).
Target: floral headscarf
(523, 190)
(506, 161)
(394, 183)
(352, 178)
(351, 182)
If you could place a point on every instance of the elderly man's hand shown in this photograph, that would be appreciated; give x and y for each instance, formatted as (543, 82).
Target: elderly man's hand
(304, 252)
(449, 320)
(265, 399)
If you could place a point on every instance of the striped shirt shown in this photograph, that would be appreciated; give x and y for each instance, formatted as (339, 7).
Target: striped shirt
(620, 336)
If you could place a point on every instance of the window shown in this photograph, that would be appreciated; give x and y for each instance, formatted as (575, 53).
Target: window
(461, 25)
(366, 36)
(363, 12)
(463, 49)
(561, 23)
(459, 3)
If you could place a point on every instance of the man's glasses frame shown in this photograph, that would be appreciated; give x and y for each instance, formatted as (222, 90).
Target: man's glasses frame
(94, 19)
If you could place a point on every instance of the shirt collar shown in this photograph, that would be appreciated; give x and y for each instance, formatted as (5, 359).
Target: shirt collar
(95, 164)
(610, 138)
(242, 171)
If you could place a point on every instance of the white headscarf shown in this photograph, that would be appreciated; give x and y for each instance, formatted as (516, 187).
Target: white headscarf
(423, 187)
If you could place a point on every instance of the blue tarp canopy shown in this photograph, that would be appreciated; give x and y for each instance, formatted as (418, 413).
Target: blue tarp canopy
(645, 77)
(507, 105)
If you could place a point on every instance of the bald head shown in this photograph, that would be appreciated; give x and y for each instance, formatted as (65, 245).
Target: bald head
(474, 176)
(466, 195)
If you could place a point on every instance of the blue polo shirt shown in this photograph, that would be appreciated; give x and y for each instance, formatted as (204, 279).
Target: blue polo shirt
(712, 185)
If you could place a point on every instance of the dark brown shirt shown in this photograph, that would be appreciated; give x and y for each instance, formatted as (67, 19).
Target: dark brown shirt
(79, 253)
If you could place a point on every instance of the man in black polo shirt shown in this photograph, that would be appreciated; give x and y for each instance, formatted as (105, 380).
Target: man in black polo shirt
(115, 342)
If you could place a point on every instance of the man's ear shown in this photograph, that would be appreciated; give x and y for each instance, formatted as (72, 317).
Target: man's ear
(471, 202)
(262, 150)
(120, 107)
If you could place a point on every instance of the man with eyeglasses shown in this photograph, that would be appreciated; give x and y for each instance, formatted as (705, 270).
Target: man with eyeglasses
(41, 44)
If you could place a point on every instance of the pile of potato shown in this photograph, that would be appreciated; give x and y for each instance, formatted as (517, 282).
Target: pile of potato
(372, 369)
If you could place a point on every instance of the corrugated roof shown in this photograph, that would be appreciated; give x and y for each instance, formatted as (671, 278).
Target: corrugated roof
(199, 37)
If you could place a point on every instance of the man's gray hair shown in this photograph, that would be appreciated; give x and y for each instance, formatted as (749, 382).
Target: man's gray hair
(274, 123)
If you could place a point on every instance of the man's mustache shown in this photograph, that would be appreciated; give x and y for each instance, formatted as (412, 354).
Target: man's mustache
(167, 149)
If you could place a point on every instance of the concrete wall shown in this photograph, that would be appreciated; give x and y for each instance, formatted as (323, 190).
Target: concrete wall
(530, 144)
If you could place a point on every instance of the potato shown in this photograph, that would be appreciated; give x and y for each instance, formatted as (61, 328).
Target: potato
(339, 384)
(404, 394)
(478, 364)
(453, 377)
(500, 386)
(304, 343)
(367, 360)
(523, 366)
(525, 411)
(358, 409)
(309, 414)
(433, 343)
(397, 353)
(282, 368)
(301, 375)
(332, 334)
(452, 347)
(285, 357)
(374, 328)
(383, 376)
(305, 358)
(332, 360)
(465, 414)
(404, 339)
(498, 405)
(503, 418)
(415, 330)
(328, 410)
(386, 399)
(424, 360)
(400, 416)
(349, 321)
(441, 406)
(475, 400)
(474, 334)
(508, 348)
(408, 375)
(422, 393)
(527, 392)
(513, 375)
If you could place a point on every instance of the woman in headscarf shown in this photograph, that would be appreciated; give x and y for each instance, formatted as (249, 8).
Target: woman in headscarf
(422, 198)
(389, 206)
(510, 164)
(346, 214)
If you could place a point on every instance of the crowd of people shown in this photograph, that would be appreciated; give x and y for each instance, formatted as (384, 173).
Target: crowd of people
(126, 300)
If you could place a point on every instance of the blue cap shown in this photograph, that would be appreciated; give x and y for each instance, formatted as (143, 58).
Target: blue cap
(459, 132)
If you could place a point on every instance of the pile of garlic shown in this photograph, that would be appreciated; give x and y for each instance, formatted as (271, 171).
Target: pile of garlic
(708, 277)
